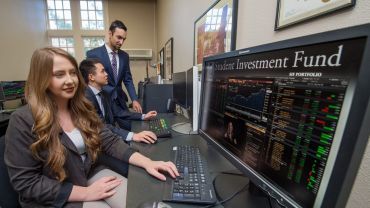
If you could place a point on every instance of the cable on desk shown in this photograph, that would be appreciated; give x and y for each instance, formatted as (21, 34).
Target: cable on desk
(244, 188)
(227, 172)
(230, 172)
(269, 199)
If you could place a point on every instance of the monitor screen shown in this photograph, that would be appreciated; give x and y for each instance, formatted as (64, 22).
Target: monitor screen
(13, 89)
(179, 88)
(288, 113)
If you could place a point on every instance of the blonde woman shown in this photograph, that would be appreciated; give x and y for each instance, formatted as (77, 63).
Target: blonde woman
(52, 143)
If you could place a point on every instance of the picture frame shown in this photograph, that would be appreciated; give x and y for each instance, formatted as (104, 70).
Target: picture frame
(161, 62)
(168, 61)
(290, 12)
(215, 30)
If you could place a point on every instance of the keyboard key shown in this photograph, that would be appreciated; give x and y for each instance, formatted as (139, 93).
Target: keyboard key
(159, 127)
(178, 195)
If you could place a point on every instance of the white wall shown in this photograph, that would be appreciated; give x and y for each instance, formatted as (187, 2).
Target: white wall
(175, 18)
(22, 31)
(256, 20)
(139, 17)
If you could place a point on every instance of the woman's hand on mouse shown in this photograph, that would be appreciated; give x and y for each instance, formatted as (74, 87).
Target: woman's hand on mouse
(153, 168)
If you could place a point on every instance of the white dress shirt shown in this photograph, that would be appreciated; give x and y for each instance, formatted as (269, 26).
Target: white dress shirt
(78, 141)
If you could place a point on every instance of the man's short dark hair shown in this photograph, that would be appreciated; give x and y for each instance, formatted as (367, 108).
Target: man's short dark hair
(117, 24)
(87, 67)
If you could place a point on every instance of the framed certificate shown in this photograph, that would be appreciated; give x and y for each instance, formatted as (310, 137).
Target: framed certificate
(290, 12)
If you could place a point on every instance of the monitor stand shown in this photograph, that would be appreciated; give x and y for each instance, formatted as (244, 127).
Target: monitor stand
(183, 128)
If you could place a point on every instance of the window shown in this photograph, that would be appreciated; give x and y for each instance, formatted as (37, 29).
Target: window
(66, 43)
(76, 25)
(92, 42)
(92, 15)
(59, 14)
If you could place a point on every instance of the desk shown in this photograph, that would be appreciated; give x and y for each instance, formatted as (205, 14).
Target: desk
(144, 188)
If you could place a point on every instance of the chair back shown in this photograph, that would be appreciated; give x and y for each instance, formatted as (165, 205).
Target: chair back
(8, 197)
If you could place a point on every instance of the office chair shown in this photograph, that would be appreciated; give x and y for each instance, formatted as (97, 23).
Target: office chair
(8, 197)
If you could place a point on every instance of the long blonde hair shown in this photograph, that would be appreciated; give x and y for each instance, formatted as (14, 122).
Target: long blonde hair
(44, 110)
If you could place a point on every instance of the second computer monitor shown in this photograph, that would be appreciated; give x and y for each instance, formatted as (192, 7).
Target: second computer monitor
(179, 88)
(13, 89)
(189, 88)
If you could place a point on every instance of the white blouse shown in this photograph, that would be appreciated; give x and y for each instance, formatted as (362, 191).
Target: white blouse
(78, 141)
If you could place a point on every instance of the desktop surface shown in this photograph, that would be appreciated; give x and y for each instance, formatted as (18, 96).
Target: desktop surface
(144, 188)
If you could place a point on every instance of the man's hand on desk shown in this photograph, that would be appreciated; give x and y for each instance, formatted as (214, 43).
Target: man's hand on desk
(149, 115)
(154, 167)
(145, 136)
(136, 106)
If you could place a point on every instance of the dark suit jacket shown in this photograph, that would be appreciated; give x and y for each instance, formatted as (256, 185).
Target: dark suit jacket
(31, 177)
(108, 119)
(114, 88)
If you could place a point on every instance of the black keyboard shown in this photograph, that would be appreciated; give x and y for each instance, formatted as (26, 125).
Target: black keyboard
(159, 126)
(194, 184)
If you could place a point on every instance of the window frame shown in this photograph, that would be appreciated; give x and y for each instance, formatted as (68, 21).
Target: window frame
(83, 37)
(66, 47)
(77, 32)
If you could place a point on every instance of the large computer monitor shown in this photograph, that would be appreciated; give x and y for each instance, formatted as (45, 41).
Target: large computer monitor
(292, 115)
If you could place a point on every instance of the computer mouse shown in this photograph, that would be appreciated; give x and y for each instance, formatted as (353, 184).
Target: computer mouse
(154, 204)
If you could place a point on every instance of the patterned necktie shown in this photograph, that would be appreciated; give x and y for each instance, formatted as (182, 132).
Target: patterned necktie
(114, 65)
(102, 104)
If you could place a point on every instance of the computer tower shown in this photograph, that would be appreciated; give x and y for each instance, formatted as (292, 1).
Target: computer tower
(157, 97)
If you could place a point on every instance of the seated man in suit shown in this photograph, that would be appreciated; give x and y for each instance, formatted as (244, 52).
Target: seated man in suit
(95, 77)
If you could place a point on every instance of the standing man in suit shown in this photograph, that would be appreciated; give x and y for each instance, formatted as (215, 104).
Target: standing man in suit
(96, 78)
(117, 66)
